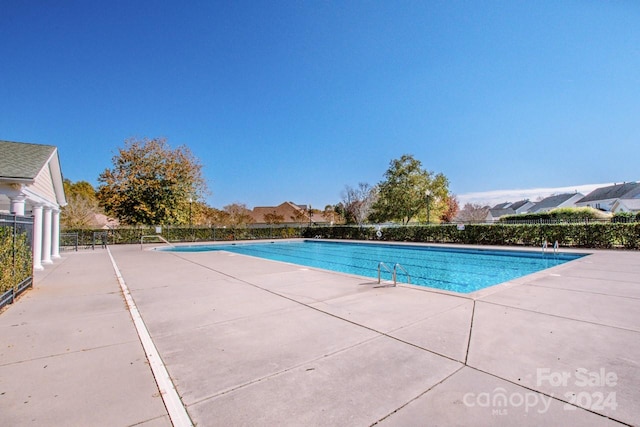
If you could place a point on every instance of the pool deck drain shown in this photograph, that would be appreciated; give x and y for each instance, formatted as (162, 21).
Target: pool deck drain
(256, 342)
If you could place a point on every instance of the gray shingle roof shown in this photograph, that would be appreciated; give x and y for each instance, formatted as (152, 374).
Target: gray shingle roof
(517, 205)
(504, 205)
(552, 201)
(23, 160)
(497, 213)
(627, 190)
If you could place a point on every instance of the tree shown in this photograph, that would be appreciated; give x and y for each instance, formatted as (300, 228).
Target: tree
(273, 218)
(300, 216)
(358, 202)
(340, 212)
(82, 205)
(332, 215)
(402, 195)
(238, 215)
(205, 215)
(473, 212)
(451, 209)
(150, 183)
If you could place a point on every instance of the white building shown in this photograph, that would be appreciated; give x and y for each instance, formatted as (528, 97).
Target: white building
(605, 198)
(31, 185)
(508, 208)
(566, 200)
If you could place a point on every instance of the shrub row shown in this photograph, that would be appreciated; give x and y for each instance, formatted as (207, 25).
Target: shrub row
(626, 217)
(560, 214)
(87, 238)
(15, 258)
(585, 235)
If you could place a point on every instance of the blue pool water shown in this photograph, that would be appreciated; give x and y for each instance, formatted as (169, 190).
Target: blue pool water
(452, 269)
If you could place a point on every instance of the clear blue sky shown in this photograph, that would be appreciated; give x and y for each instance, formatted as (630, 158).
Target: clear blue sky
(293, 100)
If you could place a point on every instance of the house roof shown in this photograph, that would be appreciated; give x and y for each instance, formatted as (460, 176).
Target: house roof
(504, 205)
(631, 204)
(497, 213)
(552, 201)
(286, 209)
(626, 190)
(517, 205)
(35, 169)
(23, 161)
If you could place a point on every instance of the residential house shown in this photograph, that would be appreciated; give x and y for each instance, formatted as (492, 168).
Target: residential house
(508, 208)
(567, 200)
(287, 212)
(604, 198)
(31, 185)
(626, 205)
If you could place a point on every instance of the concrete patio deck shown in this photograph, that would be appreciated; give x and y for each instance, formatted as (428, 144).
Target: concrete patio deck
(255, 342)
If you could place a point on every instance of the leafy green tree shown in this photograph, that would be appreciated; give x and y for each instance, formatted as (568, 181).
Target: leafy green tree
(203, 214)
(402, 194)
(79, 188)
(150, 183)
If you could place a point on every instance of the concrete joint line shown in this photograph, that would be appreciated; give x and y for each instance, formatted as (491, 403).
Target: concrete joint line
(473, 314)
(318, 309)
(175, 408)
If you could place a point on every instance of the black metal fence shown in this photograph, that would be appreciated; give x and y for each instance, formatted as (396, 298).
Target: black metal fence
(16, 260)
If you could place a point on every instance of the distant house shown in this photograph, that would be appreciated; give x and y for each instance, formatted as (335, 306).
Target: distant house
(102, 221)
(508, 208)
(604, 198)
(286, 213)
(31, 185)
(626, 205)
(567, 200)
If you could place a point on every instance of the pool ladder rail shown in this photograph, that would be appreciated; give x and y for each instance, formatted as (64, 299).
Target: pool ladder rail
(545, 245)
(394, 273)
(155, 236)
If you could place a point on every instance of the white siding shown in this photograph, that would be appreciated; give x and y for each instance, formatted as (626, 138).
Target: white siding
(43, 185)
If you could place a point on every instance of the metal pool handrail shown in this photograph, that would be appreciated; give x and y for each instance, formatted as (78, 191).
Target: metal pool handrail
(556, 246)
(394, 272)
(157, 236)
(386, 267)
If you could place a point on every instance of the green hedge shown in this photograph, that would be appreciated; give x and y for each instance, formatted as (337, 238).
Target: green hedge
(15, 261)
(559, 214)
(183, 234)
(626, 217)
(585, 235)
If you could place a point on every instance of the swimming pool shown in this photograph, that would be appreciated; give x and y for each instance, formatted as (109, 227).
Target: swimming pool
(453, 269)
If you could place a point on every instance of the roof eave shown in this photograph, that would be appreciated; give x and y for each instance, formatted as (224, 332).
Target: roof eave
(16, 180)
(56, 174)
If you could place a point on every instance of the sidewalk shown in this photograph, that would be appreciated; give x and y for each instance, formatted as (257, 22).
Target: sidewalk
(69, 354)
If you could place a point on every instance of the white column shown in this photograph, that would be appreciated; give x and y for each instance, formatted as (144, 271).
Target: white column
(46, 236)
(37, 237)
(17, 204)
(55, 234)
